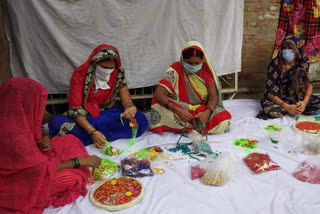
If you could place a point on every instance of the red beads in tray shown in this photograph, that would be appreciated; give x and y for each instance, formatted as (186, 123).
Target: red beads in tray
(309, 127)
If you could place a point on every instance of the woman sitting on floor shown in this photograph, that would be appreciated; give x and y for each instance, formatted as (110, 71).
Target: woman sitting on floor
(189, 96)
(288, 86)
(34, 171)
(92, 116)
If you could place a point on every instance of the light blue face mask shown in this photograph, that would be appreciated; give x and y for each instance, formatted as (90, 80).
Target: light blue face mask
(288, 54)
(192, 69)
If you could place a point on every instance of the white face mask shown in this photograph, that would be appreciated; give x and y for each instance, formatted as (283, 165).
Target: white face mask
(102, 76)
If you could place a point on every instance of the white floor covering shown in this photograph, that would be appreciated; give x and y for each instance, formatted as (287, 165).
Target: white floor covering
(270, 192)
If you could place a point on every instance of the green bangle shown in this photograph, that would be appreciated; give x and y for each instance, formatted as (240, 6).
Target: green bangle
(75, 163)
(93, 132)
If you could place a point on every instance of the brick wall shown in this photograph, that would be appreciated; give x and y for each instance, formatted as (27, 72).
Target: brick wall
(259, 32)
(4, 51)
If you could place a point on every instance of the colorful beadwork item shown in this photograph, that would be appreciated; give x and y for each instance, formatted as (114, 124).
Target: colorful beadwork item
(136, 168)
(150, 153)
(247, 143)
(202, 147)
(259, 162)
(308, 127)
(274, 127)
(134, 127)
(117, 193)
(181, 147)
(110, 150)
(106, 169)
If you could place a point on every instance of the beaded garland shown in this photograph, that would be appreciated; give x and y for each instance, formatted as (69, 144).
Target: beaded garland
(117, 193)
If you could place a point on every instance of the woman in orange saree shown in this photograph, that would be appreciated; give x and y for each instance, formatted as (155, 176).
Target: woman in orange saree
(189, 96)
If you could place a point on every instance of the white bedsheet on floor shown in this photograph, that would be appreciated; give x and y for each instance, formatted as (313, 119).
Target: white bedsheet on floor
(270, 192)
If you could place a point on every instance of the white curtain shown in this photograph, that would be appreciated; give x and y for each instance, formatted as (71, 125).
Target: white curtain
(49, 39)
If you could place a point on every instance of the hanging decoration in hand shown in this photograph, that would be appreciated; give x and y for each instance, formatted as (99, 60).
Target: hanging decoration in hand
(134, 127)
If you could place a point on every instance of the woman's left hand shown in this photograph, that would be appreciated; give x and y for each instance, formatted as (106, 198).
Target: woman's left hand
(130, 112)
(44, 143)
(203, 116)
(301, 105)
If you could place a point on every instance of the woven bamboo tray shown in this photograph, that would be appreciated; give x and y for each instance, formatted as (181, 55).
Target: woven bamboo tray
(116, 207)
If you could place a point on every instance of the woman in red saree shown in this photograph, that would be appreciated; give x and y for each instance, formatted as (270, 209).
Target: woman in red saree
(92, 116)
(34, 171)
(189, 96)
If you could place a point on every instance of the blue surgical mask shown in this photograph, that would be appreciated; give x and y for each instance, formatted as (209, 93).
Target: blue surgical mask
(288, 54)
(192, 69)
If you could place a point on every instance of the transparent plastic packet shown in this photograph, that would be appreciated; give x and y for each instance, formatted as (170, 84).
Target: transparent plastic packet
(273, 133)
(259, 162)
(139, 164)
(307, 143)
(106, 169)
(309, 170)
(221, 170)
(200, 146)
(215, 169)
(199, 168)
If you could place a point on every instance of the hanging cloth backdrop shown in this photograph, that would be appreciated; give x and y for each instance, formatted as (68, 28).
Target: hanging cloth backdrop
(301, 18)
(49, 39)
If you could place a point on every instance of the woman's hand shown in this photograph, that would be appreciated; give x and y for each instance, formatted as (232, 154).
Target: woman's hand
(184, 115)
(99, 140)
(90, 161)
(301, 105)
(45, 143)
(291, 109)
(130, 112)
(203, 116)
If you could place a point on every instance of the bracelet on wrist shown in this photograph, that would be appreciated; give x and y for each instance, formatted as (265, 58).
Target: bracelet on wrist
(75, 163)
(210, 109)
(93, 132)
(282, 103)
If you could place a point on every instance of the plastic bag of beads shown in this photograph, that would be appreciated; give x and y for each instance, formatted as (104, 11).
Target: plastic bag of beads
(200, 146)
(273, 133)
(199, 168)
(259, 162)
(150, 153)
(309, 171)
(134, 167)
(105, 170)
(197, 172)
(220, 171)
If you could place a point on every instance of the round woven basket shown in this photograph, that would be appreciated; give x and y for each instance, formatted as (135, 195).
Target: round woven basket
(311, 132)
(116, 207)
